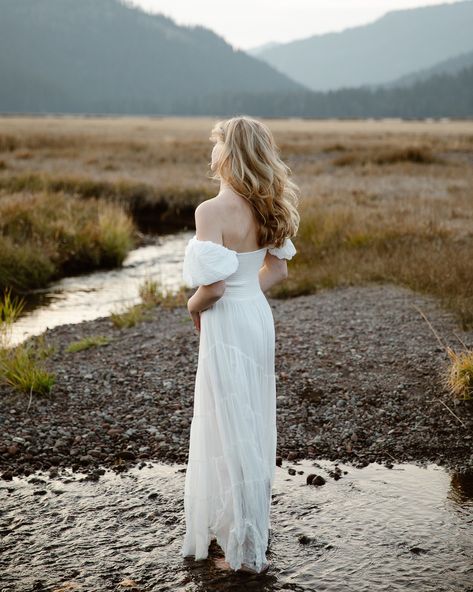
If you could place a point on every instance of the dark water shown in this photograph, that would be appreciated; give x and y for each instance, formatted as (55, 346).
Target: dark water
(405, 528)
(92, 295)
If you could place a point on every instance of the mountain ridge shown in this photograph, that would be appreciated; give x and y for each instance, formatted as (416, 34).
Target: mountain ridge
(106, 55)
(377, 52)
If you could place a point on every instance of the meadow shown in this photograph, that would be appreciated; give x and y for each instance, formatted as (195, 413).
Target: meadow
(381, 201)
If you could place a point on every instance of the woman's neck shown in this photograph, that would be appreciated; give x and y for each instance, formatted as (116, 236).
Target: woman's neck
(224, 185)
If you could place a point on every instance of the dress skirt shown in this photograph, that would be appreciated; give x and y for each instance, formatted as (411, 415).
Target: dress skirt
(232, 448)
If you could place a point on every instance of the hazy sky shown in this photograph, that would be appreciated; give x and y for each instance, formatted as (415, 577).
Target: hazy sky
(248, 23)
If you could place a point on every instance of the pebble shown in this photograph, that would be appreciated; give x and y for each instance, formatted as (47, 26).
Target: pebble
(358, 378)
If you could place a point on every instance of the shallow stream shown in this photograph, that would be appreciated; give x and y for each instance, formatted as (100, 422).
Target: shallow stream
(92, 295)
(374, 529)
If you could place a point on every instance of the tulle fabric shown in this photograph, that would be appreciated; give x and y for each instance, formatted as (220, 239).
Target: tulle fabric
(232, 447)
(287, 251)
(206, 262)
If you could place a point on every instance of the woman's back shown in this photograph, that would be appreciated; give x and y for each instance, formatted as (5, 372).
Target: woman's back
(235, 218)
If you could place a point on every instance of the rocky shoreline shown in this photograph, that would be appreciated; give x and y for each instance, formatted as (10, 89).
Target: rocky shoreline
(358, 381)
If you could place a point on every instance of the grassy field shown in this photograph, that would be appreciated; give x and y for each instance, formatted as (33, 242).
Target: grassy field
(381, 200)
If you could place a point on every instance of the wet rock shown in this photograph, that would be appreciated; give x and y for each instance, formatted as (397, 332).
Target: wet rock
(418, 550)
(36, 481)
(95, 453)
(336, 473)
(127, 455)
(315, 480)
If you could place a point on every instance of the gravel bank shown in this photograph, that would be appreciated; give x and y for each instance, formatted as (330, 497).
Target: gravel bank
(358, 381)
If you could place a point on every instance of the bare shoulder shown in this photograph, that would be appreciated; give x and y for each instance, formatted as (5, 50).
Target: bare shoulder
(207, 219)
(206, 208)
(207, 212)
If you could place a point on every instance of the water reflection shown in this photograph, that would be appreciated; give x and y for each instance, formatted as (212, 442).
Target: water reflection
(373, 529)
(462, 487)
(97, 294)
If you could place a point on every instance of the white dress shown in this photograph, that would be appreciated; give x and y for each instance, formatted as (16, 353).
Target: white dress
(232, 447)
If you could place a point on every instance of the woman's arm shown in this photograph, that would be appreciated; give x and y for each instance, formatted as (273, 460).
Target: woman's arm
(205, 296)
(206, 229)
(272, 272)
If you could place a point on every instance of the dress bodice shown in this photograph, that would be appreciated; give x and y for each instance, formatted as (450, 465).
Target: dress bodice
(206, 262)
(244, 281)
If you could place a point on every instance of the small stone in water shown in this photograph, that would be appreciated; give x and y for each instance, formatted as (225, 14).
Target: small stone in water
(315, 480)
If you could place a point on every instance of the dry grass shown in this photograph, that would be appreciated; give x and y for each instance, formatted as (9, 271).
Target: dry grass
(380, 200)
(21, 367)
(416, 154)
(131, 195)
(129, 316)
(45, 235)
(152, 294)
(424, 244)
(459, 378)
(11, 308)
(87, 343)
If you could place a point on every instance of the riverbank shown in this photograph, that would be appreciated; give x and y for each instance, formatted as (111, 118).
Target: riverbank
(46, 236)
(358, 380)
(381, 200)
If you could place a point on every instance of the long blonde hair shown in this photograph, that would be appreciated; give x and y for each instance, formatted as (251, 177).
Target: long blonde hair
(249, 162)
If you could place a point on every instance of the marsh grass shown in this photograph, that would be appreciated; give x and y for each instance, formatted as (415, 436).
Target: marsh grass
(87, 343)
(459, 375)
(149, 291)
(9, 142)
(380, 201)
(129, 194)
(153, 208)
(383, 156)
(153, 293)
(46, 235)
(23, 154)
(21, 367)
(412, 244)
(11, 308)
(129, 316)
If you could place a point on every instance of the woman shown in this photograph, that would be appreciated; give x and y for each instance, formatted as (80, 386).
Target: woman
(238, 252)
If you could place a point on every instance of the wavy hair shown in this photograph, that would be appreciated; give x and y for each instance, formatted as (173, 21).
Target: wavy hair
(249, 161)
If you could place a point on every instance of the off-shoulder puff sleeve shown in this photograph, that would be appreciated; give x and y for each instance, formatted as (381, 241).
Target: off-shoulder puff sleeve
(206, 262)
(286, 251)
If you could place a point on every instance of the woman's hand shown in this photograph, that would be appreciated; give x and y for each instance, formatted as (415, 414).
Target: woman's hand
(195, 314)
(196, 301)
(196, 320)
